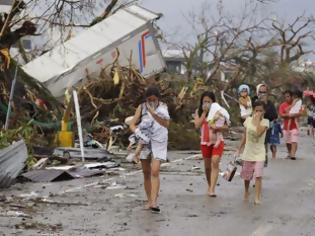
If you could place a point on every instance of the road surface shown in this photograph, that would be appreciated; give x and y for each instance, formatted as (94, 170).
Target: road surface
(113, 205)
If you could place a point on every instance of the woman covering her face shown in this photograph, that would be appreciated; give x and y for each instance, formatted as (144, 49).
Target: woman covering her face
(211, 138)
(253, 150)
(150, 124)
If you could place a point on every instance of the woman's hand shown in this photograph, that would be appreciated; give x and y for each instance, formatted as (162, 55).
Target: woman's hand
(199, 119)
(161, 121)
(150, 109)
(206, 108)
(257, 117)
(213, 126)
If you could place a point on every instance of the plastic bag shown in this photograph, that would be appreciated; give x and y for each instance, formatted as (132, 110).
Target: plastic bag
(230, 170)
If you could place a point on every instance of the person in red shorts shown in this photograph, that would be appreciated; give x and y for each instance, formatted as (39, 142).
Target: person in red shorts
(291, 132)
(211, 155)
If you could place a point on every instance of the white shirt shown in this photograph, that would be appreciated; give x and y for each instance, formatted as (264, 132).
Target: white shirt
(296, 107)
(246, 112)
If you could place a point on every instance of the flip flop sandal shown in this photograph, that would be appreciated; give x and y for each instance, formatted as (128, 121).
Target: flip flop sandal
(212, 195)
(155, 210)
(293, 158)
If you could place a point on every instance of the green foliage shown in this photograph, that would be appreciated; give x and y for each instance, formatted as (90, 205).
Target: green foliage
(183, 137)
(8, 136)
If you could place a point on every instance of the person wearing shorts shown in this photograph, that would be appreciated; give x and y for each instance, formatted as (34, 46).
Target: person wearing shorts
(311, 116)
(155, 151)
(270, 111)
(290, 126)
(253, 150)
(211, 153)
(310, 126)
(274, 137)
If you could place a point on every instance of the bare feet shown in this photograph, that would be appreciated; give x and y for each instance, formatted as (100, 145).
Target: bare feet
(147, 206)
(211, 194)
(246, 196)
(257, 202)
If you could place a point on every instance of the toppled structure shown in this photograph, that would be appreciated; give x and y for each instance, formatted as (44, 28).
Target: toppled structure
(129, 31)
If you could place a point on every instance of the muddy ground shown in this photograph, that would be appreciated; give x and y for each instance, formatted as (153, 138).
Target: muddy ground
(113, 204)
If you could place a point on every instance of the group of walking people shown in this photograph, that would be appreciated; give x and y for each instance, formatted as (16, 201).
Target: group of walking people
(259, 117)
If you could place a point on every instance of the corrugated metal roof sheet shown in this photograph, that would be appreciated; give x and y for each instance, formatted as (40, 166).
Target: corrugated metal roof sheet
(47, 175)
(12, 161)
(51, 175)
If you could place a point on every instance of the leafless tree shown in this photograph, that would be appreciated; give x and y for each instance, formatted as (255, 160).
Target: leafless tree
(55, 20)
(34, 17)
(246, 49)
(292, 38)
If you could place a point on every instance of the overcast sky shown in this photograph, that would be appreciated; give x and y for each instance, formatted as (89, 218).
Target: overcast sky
(174, 11)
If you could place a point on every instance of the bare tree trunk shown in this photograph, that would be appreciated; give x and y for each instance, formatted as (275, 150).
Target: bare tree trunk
(107, 11)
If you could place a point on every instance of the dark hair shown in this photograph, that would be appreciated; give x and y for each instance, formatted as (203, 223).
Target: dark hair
(298, 93)
(288, 92)
(205, 94)
(258, 104)
(152, 90)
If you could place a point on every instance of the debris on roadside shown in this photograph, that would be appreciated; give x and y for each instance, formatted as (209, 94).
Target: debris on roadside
(116, 185)
(126, 195)
(12, 161)
(195, 168)
(131, 29)
(39, 226)
(41, 164)
(50, 202)
(15, 214)
(69, 172)
(47, 175)
(96, 154)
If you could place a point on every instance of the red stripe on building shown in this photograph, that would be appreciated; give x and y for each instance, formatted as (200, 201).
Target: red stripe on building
(143, 46)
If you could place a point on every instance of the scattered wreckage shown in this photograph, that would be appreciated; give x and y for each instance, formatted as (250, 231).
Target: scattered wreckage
(110, 75)
(12, 162)
(129, 31)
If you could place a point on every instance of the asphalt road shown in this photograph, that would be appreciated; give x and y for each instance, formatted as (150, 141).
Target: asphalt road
(113, 205)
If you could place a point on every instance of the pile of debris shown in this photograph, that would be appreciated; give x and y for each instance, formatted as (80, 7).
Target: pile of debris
(107, 94)
(12, 161)
(53, 164)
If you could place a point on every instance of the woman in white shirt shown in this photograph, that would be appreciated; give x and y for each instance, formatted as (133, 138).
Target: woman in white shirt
(156, 150)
